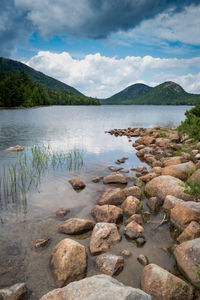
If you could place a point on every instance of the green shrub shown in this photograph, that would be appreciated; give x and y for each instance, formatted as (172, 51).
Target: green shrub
(191, 125)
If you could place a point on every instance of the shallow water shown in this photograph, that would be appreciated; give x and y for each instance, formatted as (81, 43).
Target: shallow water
(65, 129)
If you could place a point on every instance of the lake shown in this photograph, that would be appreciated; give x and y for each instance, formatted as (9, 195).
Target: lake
(76, 144)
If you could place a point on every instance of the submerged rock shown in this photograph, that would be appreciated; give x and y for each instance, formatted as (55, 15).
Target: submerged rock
(187, 256)
(97, 179)
(68, 262)
(110, 264)
(162, 285)
(77, 183)
(16, 148)
(76, 226)
(107, 213)
(114, 168)
(61, 212)
(39, 243)
(104, 235)
(15, 292)
(98, 287)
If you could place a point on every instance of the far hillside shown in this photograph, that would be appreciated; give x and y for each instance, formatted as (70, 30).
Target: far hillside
(167, 93)
(23, 86)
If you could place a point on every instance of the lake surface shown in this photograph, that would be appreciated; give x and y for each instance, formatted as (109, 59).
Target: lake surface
(78, 133)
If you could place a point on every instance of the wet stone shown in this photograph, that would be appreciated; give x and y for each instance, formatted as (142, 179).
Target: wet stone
(143, 260)
(140, 241)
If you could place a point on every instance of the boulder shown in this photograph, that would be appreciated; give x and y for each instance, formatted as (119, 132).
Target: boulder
(104, 235)
(77, 183)
(157, 170)
(162, 142)
(143, 260)
(169, 161)
(133, 230)
(181, 171)
(131, 205)
(167, 185)
(148, 177)
(15, 292)
(195, 177)
(68, 262)
(107, 213)
(191, 232)
(145, 140)
(109, 264)
(187, 256)
(98, 287)
(76, 226)
(112, 197)
(16, 148)
(162, 285)
(115, 178)
(154, 203)
(185, 212)
(133, 191)
(136, 217)
(174, 137)
(171, 201)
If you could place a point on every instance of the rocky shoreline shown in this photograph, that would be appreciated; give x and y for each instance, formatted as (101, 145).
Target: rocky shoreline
(169, 184)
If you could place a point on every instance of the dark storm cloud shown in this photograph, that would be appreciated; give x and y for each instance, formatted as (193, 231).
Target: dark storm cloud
(80, 18)
(14, 27)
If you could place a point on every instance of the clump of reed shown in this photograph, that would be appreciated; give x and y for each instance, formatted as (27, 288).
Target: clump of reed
(25, 173)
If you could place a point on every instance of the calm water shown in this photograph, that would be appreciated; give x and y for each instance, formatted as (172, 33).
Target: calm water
(64, 129)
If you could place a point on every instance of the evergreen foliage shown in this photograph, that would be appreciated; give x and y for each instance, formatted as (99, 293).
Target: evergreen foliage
(19, 90)
(191, 125)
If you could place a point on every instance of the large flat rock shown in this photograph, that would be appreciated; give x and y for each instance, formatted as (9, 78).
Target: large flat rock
(187, 256)
(162, 285)
(99, 287)
(164, 185)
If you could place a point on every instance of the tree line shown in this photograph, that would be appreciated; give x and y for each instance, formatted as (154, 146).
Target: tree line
(19, 91)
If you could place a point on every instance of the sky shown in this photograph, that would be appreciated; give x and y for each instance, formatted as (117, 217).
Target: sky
(102, 46)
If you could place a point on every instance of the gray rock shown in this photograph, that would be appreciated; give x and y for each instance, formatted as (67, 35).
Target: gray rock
(15, 292)
(110, 264)
(99, 287)
(162, 285)
(104, 235)
(187, 255)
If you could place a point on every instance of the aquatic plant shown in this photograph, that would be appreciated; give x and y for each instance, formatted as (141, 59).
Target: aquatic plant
(25, 173)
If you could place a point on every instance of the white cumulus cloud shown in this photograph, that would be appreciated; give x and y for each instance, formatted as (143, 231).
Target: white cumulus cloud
(100, 76)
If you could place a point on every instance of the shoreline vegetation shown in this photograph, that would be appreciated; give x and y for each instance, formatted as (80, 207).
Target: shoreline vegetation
(170, 186)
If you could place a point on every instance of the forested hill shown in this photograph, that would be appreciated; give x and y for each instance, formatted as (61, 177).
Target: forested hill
(167, 93)
(17, 88)
(15, 67)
